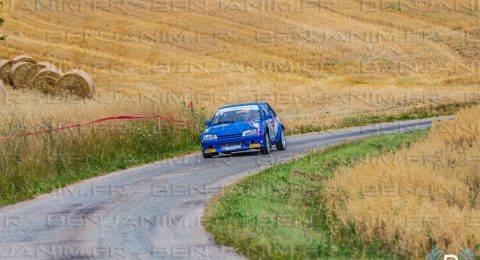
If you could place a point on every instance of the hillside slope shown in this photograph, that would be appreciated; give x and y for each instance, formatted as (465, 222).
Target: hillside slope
(320, 60)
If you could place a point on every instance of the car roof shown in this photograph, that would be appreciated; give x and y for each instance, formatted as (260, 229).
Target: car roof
(245, 104)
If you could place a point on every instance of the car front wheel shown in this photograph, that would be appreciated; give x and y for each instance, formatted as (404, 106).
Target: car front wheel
(209, 155)
(267, 147)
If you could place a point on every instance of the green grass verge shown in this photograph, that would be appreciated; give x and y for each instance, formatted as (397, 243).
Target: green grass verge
(361, 120)
(280, 213)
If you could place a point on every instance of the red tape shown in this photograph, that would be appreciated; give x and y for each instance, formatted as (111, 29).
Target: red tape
(172, 120)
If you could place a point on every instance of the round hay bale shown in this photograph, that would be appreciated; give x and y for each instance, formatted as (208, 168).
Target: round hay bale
(45, 81)
(33, 71)
(24, 58)
(17, 73)
(77, 82)
(5, 66)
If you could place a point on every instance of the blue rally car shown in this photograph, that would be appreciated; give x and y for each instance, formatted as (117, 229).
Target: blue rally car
(242, 127)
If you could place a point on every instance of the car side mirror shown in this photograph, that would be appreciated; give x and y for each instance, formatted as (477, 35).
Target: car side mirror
(268, 116)
(208, 123)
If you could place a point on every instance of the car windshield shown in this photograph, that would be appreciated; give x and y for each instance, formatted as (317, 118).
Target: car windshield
(236, 114)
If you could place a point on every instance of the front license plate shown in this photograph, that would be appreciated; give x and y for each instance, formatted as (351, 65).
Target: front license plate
(231, 147)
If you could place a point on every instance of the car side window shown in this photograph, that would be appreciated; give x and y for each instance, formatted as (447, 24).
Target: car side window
(264, 110)
(271, 110)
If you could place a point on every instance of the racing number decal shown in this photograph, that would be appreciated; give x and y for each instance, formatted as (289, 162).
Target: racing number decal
(274, 127)
(268, 123)
(273, 123)
(270, 127)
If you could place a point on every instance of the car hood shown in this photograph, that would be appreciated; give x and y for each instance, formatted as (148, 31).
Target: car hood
(233, 128)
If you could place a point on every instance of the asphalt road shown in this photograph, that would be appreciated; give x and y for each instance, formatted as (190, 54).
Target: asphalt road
(148, 212)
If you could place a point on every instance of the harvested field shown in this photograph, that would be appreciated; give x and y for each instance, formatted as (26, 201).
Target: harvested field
(421, 197)
(316, 66)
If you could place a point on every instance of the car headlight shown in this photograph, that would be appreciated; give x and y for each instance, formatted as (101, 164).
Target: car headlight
(209, 137)
(250, 132)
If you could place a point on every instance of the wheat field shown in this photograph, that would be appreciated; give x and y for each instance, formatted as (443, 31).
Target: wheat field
(315, 61)
(421, 197)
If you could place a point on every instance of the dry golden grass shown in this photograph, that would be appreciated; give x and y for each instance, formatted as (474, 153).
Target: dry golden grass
(421, 197)
(307, 60)
(23, 105)
(295, 107)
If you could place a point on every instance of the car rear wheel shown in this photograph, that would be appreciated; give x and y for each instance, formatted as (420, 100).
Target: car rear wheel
(282, 144)
(267, 147)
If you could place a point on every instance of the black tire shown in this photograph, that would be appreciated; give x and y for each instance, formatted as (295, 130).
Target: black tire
(282, 143)
(209, 155)
(267, 148)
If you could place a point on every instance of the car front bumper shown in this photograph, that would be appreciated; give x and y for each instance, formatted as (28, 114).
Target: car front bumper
(232, 145)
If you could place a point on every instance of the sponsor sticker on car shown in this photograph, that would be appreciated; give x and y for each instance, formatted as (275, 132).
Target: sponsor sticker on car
(231, 147)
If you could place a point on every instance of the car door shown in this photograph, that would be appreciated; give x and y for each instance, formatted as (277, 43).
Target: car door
(275, 122)
(268, 122)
